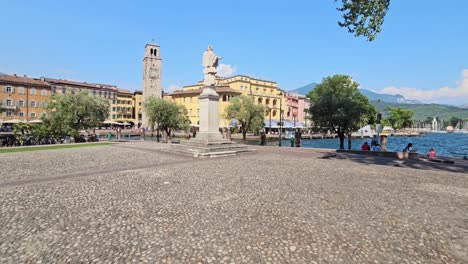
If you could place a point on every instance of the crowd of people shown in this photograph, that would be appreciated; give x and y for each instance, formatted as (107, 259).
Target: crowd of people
(375, 146)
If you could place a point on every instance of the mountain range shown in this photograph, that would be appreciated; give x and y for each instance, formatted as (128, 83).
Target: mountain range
(421, 110)
(373, 96)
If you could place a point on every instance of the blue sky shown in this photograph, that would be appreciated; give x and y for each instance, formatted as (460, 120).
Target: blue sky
(421, 53)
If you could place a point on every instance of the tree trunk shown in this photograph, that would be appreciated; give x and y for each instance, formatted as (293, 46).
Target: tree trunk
(349, 141)
(342, 137)
(244, 135)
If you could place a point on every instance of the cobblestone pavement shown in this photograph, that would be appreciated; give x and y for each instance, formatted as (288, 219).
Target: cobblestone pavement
(131, 203)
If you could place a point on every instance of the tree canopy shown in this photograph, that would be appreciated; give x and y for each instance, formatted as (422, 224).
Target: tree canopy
(399, 117)
(337, 104)
(363, 17)
(166, 116)
(69, 113)
(248, 114)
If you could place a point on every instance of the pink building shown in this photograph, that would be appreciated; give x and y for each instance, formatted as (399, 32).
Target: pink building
(298, 106)
(293, 108)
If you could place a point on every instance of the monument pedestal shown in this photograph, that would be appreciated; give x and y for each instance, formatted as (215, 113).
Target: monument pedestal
(209, 141)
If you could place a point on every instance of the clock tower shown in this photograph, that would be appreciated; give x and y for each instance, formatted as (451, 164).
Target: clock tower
(152, 64)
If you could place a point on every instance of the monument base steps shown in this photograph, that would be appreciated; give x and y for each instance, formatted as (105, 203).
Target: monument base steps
(201, 149)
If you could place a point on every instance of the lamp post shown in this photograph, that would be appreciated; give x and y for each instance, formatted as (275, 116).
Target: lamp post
(281, 119)
(269, 129)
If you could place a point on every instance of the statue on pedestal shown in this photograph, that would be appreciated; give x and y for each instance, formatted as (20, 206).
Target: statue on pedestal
(210, 62)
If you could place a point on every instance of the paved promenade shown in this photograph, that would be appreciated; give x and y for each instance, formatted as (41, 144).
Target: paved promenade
(133, 203)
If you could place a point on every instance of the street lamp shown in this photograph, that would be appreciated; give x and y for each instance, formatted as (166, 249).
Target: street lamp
(281, 120)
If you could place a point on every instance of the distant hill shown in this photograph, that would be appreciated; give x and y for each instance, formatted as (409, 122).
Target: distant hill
(373, 96)
(397, 98)
(304, 90)
(423, 111)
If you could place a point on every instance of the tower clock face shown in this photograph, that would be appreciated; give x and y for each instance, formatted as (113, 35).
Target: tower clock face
(153, 73)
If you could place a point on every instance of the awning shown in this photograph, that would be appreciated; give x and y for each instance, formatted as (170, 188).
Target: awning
(273, 123)
(13, 121)
(37, 121)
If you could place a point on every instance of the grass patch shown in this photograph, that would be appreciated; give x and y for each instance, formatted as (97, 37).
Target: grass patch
(64, 146)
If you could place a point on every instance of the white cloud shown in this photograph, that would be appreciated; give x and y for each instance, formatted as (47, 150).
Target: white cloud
(226, 70)
(442, 95)
(172, 88)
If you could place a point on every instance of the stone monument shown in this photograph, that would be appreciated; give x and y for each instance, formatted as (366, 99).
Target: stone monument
(152, 64)
(209, 141)
(209, 100)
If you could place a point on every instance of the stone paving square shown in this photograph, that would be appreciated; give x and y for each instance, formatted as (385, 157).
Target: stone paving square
(136, 203)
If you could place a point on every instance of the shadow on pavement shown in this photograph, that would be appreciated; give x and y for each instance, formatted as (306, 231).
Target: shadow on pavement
(423, 164)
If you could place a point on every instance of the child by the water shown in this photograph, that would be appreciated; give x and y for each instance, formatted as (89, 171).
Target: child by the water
(432, 153)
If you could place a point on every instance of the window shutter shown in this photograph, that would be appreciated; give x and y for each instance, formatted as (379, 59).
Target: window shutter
(12, 89)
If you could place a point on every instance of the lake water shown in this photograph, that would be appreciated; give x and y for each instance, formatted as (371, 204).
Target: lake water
(449, 144)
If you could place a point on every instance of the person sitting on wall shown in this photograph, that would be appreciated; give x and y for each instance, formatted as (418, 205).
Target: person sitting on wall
(408, 148)
(376, 147)
(431, 153)
(365, 146)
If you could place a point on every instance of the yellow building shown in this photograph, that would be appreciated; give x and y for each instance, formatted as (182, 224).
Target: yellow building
(264, 92)
(122, 106)
(189, 98)
(137, 106)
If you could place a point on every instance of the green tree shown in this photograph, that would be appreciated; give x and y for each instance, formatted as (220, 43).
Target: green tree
(337, 104)
(70, 113)
(247, 113)
(21, 131)
(454, 121)
(364, 17)
(166, 116)
(399, 117)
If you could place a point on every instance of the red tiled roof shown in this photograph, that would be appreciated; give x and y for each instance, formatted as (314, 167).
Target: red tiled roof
(82, 84)
(124, 91)
(15, 79)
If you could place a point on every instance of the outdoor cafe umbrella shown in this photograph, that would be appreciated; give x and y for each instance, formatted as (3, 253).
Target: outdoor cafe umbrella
(37, 121)
(12, 121)
(110, 122)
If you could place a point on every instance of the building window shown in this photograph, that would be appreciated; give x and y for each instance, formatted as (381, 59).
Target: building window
(33, 91)
(44, 104)
(8, 89)
(113, 108)
(64, 90)
(21, 90)
(100, 93)
(20, 114)
(54, 89)
(139, 103)
(105, 94)
(8, 102)
(33, 114)
(44, 92)
(94, 92)
(113, 116)
(20, 103)
(8, 113)
(33, 103)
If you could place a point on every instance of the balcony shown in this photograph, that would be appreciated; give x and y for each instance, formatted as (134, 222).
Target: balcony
(11, 107)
